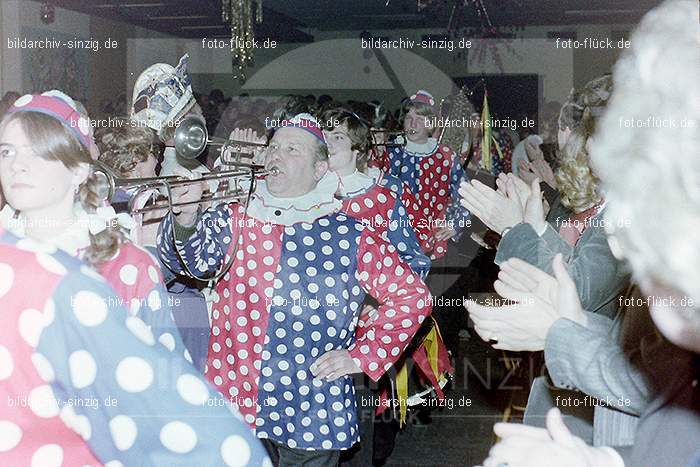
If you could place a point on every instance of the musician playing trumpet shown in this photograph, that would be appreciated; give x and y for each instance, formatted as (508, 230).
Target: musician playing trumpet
(132, 151)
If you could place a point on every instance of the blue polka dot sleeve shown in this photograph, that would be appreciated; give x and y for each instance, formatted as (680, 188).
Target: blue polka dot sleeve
(205, 250)
(457, 214)
(132, 401)
(156, 312)
(403, 237)
(392, 182)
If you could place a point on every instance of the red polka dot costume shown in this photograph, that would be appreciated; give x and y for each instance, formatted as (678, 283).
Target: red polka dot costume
(416, 216)
(294, 293)
(133, 272)
(137, 278)
(377, 203)
(366, 198)
(433, 173)
(80, 382)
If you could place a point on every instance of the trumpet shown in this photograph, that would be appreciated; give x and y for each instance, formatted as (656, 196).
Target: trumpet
(192, 137)
(108, 183)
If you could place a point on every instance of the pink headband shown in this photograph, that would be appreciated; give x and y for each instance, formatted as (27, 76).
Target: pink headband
(306, 122)
(60, 110)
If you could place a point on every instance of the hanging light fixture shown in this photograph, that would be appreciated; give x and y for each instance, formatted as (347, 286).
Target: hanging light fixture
(239, 14)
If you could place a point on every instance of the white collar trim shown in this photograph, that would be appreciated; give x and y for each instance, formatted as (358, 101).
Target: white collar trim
(73, 240)
(356, 183)
(319, 202)
(422, 149)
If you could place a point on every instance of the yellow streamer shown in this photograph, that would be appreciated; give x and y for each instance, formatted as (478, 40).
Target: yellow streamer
(431, 341)
(402, 392)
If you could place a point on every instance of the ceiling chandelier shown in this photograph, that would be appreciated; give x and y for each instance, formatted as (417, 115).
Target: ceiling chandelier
(496, 41)
(239, 14)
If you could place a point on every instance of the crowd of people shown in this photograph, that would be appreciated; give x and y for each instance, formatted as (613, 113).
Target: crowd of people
(228, 325)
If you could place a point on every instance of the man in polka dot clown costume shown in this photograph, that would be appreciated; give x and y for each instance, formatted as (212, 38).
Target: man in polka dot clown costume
(432, 171)
(285, 340)
(79, 387)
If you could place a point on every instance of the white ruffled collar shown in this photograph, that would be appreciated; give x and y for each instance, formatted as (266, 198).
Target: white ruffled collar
(319, 202)
(75, 238)
(421, 149)
(358, 183)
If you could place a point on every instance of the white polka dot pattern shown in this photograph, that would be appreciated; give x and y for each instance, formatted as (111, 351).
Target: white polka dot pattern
(124, 432)
(10, 435)
(67, 349)
(42, 402)
(235, 451)
(383, 210)
(135, 276)
(178, 437)
(306, 295)
(134, 374)
(50, 455)
(89, 308)
(83, 368)
(436, 194)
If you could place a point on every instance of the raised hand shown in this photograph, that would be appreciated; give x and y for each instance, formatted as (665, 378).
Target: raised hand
(543, 170)
(526, 173)
(522, 188)
(559, 291)
(533, 150)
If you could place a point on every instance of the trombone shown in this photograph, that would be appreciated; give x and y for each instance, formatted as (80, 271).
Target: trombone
(191, 138)
(108, 183)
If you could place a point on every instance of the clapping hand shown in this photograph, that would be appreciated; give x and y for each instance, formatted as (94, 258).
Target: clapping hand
(554, 446)
(494, 209)
(518, 186)
(540, 300)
